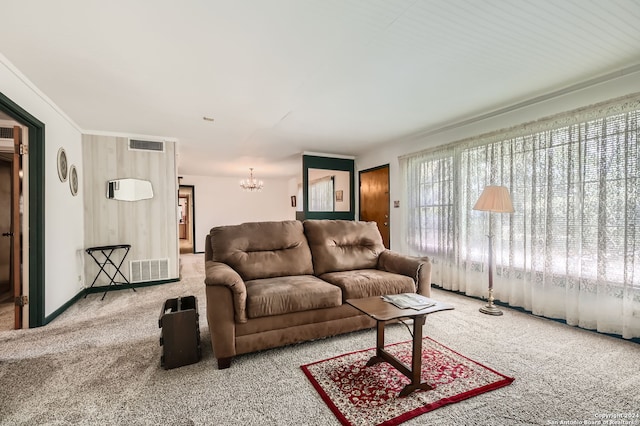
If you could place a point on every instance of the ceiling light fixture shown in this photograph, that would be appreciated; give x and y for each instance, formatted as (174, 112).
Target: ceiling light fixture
(251, 184)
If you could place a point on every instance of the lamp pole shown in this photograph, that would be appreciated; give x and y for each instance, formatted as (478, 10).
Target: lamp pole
(490, 308)
(494, 199)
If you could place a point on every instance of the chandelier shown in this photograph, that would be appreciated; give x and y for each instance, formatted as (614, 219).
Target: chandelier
(251, 184)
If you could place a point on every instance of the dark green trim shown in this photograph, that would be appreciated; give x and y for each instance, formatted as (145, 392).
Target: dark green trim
(329, 163)
(63, 308)
(36, 207)
(103, 288)
(523, 310)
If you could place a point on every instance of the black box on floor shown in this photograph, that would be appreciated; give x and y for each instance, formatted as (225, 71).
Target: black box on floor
(180, 334)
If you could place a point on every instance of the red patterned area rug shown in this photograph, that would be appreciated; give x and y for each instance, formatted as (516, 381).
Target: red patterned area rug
(360, 395)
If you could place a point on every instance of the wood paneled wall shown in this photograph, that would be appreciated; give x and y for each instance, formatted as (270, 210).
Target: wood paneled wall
(150, 226)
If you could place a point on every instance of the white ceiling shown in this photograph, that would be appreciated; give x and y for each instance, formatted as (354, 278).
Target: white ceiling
(285, 76)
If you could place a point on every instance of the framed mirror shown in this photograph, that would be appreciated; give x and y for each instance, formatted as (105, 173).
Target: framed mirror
(129, 189)
(328, 188)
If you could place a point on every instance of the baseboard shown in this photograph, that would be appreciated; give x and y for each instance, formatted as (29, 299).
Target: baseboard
(63, 308)
(102, 289)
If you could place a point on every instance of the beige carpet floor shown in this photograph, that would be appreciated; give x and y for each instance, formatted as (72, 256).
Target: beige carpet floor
(99, 363)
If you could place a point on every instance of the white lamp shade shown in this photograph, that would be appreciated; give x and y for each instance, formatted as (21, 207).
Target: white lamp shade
(494, 199)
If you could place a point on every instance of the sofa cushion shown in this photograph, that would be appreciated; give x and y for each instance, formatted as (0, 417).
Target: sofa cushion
(262, 249)
(369, 282)
(283, 295)
(343, 245)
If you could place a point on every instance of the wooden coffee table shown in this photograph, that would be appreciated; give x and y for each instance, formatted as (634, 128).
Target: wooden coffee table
(382, 312)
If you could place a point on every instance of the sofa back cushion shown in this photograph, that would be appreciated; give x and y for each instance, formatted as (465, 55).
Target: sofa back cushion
(343, 245)
(262, 249)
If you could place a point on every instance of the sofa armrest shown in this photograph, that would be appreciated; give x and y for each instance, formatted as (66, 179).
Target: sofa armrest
(221, 274)
(418, 268)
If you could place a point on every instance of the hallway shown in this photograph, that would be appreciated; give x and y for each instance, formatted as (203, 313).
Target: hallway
(185, 246)
(6, 312)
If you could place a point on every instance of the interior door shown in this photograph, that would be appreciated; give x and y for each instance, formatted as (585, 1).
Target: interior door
(374, 199)
(16, 276)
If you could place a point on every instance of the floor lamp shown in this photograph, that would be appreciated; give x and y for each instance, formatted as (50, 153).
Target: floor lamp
(494, 199)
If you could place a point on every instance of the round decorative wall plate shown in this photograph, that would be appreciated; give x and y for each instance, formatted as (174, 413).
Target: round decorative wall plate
(73, 180)
(62, 165)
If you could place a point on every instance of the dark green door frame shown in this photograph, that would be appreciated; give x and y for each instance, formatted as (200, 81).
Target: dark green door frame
(36, 207)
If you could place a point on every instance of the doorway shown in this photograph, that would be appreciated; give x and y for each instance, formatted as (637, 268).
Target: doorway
(6, 289)
(186, 221)
(11, 279)
(374, 199)
(32, 210)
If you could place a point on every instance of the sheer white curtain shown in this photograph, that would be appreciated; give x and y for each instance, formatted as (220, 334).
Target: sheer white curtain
(321, 194)
(571, 250)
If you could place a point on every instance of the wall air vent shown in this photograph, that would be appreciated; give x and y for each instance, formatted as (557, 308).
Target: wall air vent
(139, 145)
(6, 132)
(148, 270)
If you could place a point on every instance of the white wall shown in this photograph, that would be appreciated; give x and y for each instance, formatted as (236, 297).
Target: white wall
(220, 201)
(64, 235)
(390, 151)
(295, 188)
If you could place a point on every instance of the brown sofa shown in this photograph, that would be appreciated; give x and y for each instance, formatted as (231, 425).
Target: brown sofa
(270, 284)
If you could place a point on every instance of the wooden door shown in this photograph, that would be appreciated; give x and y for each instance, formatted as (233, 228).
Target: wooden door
(16, 253)
(374, 199)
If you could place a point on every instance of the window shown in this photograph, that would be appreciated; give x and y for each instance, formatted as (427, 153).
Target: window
(571, 250)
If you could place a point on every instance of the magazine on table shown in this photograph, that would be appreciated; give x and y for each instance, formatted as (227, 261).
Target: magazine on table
(409, 301)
